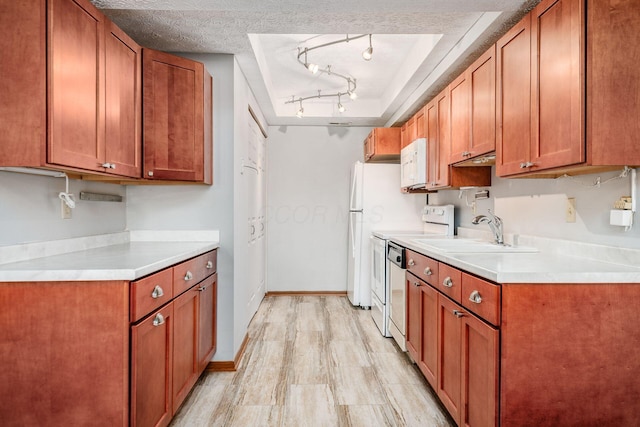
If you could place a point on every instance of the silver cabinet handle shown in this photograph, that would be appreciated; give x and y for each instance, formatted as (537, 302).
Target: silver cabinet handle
(106, 165)
(427, 271)
(417, 284)
(475, 297)
(447, 282)
(412, 262)
(188, 276)
(157, 292)
(458, 313)
(150, 173)
(466, 154)
(158, 320)
(202, 288)
(209, 265)
(526, 165)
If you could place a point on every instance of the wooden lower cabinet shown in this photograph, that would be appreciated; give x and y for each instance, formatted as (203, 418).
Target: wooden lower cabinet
(151, 369)
(185, 350)
(449, 356)
(413, 317)
(207, 303)
(421, 331)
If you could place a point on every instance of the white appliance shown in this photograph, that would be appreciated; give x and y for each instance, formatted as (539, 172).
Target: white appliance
(413, 164)
(375, 201)
(438, 220)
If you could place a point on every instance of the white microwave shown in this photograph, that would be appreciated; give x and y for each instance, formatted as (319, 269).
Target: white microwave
(413, 164)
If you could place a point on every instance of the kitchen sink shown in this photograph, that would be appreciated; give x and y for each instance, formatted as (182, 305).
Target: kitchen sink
(464, 245)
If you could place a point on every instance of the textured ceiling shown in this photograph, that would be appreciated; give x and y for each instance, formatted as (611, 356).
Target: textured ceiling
(280, 26)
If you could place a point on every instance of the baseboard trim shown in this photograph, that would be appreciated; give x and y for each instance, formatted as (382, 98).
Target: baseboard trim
(304, 293)
(229, 365)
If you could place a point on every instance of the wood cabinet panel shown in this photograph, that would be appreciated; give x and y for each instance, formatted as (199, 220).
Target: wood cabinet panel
(151, 369)
(54, 373)
(459, 116)
(449, 356)
(480, 359)
(23, 67)
(76, 99)
(207, 323)
(123, 103)
(420, 124)
(190, 272)
(185, 341)
(413, 316)
(613, 82)
(482, 92)
(428, 360)
(481, 297)
(450, 282)
(422, 267)
(404, 136)
(557, 84)
(174, 118)
(150, 293)
(513, 99)
(441, 175)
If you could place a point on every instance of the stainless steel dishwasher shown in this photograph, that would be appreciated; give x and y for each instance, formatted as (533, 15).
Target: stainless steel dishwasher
(397, 267)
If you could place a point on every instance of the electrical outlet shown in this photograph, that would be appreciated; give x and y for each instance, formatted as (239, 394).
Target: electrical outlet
(65, 211)
(571, 210)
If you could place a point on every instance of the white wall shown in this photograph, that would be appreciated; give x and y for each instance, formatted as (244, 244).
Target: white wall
(307, 202)
(537, 207)
(30, 209)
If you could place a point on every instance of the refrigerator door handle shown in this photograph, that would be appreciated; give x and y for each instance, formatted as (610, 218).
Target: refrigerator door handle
(355, 179)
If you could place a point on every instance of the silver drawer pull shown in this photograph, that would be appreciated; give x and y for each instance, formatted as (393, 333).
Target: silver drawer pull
(458, 313)
(157, 292)
(475, 297)
(202, 288)
(416, 284)
(427, 271)
(158, 320)
(526, 165)
(188, 276)
(209, 265)
(447, 282)
(412, 262)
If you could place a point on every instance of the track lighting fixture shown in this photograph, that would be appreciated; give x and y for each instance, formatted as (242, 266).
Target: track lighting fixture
(315, 68)
(368, 52)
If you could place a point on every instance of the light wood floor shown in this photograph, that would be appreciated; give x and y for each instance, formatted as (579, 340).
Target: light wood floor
(314, 361)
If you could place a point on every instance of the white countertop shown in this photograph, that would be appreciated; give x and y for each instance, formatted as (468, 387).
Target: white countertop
(128, 260)
(545, 266)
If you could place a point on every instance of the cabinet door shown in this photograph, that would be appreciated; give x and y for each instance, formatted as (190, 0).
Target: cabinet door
(151, 369)
(479, 373)
(442, 177)
(123, 107)
(411, 129)
(404, 137)
(449, 357)
(482, 80)
(207, 320)
(428, 362)
(459, 95)
(76, 85)
(369, 147)
(413, 317)
(557, 84)
(185, 341)
(173, 117)
(433, 149)
(420, 124)
(513, 99)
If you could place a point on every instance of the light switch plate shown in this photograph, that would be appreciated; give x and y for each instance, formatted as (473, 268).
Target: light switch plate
(571, 209)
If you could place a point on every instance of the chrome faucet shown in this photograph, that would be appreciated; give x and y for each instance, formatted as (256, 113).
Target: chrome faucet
(495, 223)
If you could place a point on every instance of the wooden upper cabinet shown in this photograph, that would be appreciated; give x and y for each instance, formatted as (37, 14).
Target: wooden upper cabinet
(557, 98)
(613, 82)
(78, 106)
(76, 85)
(513, 100)
(404, 136)
(473, 109)
(177, 113)
(123, 103)
(420, 124)
(382, 145)
(540, 79)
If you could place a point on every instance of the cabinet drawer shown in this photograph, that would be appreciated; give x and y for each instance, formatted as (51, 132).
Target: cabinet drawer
(481, 297)
(193, 271)
(423, 267)
(450, 282)
(150, 293)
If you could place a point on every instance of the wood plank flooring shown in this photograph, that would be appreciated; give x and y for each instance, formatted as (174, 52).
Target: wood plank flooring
(314, 361)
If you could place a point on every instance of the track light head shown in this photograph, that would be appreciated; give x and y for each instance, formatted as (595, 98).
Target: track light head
(368, 52)
(352, 95)
(300, 113)
(313, 67)
(341, 108)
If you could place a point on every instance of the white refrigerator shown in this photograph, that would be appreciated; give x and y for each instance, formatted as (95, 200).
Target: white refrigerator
(375, 203)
